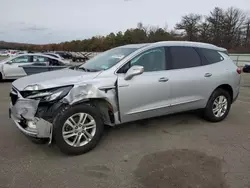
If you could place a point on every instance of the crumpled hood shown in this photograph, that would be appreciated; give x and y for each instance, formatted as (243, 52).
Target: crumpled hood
(53, 79)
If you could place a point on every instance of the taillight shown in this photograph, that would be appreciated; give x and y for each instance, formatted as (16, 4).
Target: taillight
(239, 70)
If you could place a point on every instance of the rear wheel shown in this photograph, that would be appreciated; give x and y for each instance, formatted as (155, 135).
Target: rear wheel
(1, 77)
(78, 129)
(218, 106)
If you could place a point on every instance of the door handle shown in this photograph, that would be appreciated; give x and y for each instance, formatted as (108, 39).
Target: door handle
(208, 75)
(163, 79)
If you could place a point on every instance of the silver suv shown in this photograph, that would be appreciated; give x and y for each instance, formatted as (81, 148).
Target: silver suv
(71, 106)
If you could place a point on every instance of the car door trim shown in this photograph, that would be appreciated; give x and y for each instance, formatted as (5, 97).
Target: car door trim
(184, 102)
(145, 110)
(164, 106)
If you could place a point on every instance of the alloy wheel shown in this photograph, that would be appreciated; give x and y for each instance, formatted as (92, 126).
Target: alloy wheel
(220, 106)
(79, 129)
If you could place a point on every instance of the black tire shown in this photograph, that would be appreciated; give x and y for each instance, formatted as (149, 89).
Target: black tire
(1, 77)
(61, 118)
(208, 111)
(38, 140)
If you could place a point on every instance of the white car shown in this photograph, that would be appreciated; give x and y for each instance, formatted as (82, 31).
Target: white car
(10, 67)
(4, 53)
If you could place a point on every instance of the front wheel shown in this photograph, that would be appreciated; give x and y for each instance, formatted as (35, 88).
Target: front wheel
(78, 129)
(218, 106)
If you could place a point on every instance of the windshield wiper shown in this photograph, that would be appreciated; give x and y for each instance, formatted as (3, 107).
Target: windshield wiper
(88, 70)
(82, 68)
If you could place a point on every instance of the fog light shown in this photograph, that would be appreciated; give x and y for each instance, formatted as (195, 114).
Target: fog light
(31, 124)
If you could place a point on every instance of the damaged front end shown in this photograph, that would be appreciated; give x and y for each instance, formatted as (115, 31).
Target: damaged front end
(34, 109)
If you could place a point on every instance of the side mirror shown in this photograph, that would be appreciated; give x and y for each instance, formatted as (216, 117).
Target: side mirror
(9, 62)
(133, 71)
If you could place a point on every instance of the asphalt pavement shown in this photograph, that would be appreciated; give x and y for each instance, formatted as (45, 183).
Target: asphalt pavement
(179, 150)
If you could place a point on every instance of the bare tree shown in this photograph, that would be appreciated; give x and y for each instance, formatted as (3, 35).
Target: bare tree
(232, 27)
(246, 30)
(190, 24)
(204, 32)
(215, 20)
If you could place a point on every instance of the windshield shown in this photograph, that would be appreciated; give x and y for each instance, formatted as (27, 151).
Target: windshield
(107, 59)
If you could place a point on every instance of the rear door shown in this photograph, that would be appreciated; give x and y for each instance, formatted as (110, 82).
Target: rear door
(216, 69)
(188, 78)
(12, 68)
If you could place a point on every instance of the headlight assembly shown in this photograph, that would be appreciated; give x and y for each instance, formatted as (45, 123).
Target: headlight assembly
(35, 87)
(50, 94)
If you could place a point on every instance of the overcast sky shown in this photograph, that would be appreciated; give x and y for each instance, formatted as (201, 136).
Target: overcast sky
(46, 21)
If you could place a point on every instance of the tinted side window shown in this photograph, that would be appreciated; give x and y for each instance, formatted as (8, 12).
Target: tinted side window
(212, 56)
(151, 60)
(184, 57)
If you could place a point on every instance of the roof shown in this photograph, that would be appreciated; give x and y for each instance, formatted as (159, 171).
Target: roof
(136, 45)
(222, 49)
(187, 43)
(176, 43)
(36, 54)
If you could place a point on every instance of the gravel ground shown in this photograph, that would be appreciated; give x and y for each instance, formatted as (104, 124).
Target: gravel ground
(173, 151)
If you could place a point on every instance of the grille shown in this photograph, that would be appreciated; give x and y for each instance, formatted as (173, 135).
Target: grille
(13, 96)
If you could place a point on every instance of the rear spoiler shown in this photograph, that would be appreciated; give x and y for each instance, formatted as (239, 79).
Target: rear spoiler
(224, 51)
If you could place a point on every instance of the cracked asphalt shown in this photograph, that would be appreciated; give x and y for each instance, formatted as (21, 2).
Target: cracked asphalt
(173, 151)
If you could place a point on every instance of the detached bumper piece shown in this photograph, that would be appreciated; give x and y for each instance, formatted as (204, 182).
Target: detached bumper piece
(38, 128)
(22, 111)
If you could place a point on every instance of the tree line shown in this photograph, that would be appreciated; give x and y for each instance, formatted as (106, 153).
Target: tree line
(228, 28)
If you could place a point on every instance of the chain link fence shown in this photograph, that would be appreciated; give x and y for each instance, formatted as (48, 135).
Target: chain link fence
(240, 59)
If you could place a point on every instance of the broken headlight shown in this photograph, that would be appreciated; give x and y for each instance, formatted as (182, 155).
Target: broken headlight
(50, 94)
(35, 87)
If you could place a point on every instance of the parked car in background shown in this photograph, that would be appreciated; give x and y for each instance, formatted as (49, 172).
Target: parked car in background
(20, 52)
(54, 55)
(65, 55)
(124, 84)
(246, 68)
(4, 53)
(51, 65)
(11, 68)
(12, 53)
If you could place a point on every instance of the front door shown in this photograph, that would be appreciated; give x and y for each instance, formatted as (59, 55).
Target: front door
(12, 68)
(146, 95)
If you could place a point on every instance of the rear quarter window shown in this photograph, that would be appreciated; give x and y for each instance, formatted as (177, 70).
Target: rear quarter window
(212, 56)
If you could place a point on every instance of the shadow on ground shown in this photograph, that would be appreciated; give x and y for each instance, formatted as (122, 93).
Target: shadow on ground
(180, 168)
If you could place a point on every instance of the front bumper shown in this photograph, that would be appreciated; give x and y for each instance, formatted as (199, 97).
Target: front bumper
(23, 115)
